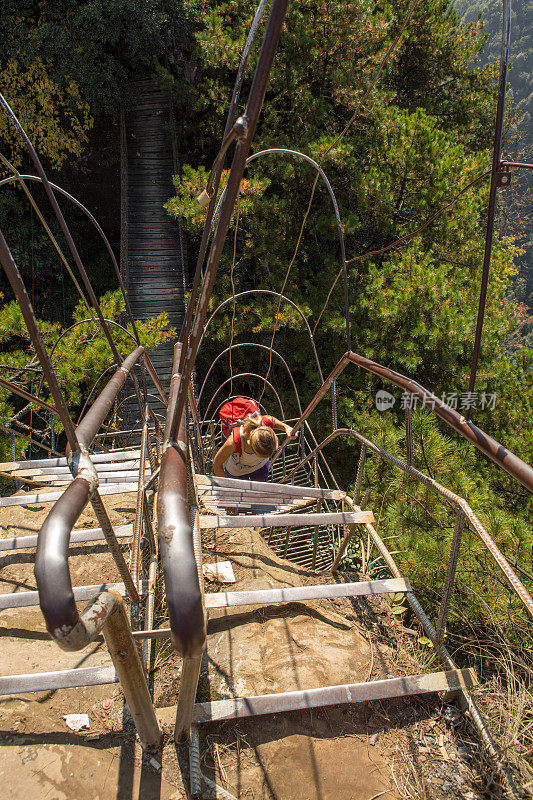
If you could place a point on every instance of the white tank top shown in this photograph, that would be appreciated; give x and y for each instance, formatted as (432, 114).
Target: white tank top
(237, 465)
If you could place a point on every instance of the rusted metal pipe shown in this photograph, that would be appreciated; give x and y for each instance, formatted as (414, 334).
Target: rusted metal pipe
(104, 238)
(408, 435)
(12, 433)
(495, 169)
(51, 563)
(443, 653)
(184, 336)
(456, 501)
(64, 227)
(114, 546)
(251, 115)
(359, 475)
(516, 164)
(27, 396)
(450, 574)
(513, 465)
(155, 378)
(137, 525)
(17, 284)
(52, 573)
(90, 424)
(333, 375)
(508, 461)
(176, 541)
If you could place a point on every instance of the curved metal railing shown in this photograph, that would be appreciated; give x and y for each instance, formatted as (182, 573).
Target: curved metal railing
(459, 503)
(499, 454)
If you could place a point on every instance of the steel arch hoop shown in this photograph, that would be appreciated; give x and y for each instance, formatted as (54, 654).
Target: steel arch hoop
(119, 407)
(246, 375)
(88, 319)
(274, 294)
(95, 384)
(262, 347)
(98, 379)
(109, 249)
(286, 151)
(232, 397)
(76, 325)
(96, 224)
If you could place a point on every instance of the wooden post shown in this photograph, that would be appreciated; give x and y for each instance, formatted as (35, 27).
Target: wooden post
(122, 649)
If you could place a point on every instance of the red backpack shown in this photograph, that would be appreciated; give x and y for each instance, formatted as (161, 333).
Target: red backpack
(234, 412)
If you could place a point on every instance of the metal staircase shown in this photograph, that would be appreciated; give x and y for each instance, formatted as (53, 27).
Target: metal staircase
(303, 514)
(279, 505)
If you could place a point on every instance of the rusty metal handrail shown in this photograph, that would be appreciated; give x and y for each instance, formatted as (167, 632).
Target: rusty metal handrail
(504, 458)
(71, 630)
(148, 364)
(184, 597)
(31, 398)
(458, 502)
(179, 560)
(244, 141)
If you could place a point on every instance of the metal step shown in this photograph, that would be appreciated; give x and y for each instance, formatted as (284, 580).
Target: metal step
(120, 454)
(61, 679)
(288, 594)
(286, 520)
(206, 482)
(334, 695)
(24, 599)
(50, 497)
(132, 476)
(87, 535)
(244, 507)
(291, 594)
(232, 497)
(102, 469)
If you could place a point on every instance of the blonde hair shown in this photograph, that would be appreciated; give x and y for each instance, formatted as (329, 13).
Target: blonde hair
(263, 440)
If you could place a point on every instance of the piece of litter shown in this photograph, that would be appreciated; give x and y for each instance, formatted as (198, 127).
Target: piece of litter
(374, 738)
(155, 764)
(76, 721)
(452, 717)
(107, 703)
(221, 572)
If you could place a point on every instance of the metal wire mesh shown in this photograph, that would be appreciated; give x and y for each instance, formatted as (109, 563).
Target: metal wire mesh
(303, 545)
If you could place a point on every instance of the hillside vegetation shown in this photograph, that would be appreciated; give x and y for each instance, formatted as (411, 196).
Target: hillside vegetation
(421, 137)
(415, 144)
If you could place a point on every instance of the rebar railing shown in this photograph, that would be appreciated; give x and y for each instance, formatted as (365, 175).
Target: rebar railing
(459, 503)
(499, 454)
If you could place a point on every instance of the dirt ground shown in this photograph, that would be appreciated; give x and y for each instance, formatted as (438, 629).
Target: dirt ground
(390, 750)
